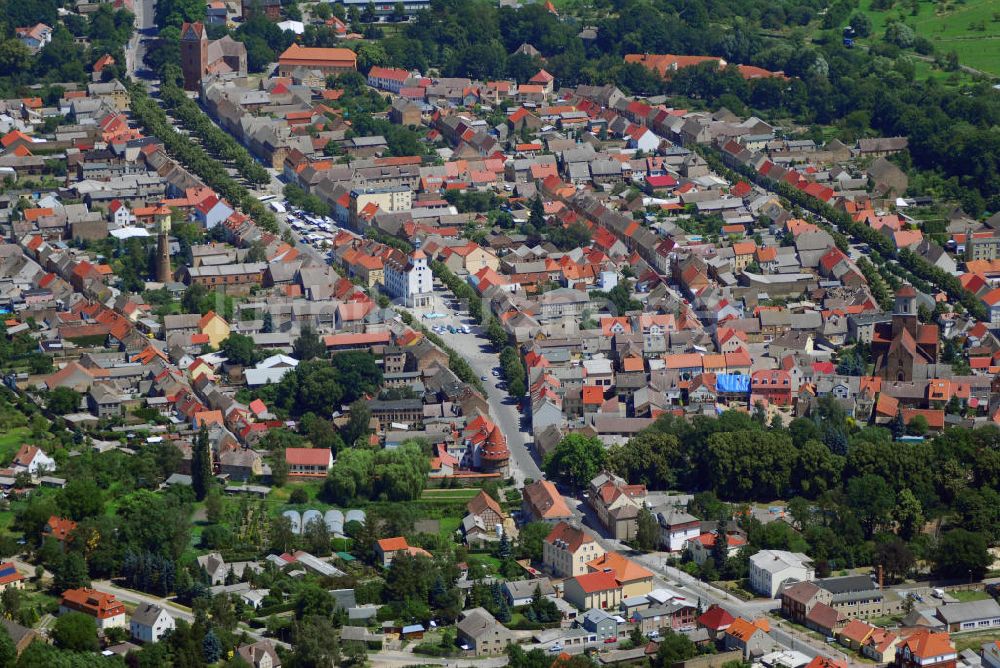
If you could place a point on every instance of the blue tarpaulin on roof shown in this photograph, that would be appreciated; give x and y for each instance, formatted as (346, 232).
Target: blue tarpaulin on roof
(732, 383)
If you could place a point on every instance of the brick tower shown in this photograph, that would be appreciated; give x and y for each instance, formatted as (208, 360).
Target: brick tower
(163, 271)
(194, 54)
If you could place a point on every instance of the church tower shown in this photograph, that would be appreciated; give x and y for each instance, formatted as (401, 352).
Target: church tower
(904, 313)
(194, 54)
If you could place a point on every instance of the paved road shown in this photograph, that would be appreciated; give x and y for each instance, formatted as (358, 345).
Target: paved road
(131, 596)
(135, 54)
(399, 658)
(479, 353)
(176, 610)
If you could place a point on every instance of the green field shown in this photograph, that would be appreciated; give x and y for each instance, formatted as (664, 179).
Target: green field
(11, 441)
(459, 494)
(971, 28)
(971, 595)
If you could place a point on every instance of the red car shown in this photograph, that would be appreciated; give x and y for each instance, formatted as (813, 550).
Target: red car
(612, 639)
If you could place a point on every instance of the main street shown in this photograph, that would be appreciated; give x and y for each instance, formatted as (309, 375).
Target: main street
(483, 359)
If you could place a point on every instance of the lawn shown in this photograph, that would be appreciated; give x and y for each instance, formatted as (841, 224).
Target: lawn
(460, 494)
(447, 526)
(970, 28)
(970, 595)
(974, 641)
(11, 441)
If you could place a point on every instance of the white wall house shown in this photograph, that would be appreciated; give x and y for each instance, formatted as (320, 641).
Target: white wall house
(410, 281)
(149, 623)
(770, 570)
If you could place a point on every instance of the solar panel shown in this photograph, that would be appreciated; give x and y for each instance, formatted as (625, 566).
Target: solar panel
(10, 570)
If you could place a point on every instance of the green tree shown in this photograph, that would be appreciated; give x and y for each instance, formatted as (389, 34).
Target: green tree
(240, 349)
(211, 647)
(647, 536)
(496, 333)
(70, 573)
(674, 647)
(201, 464)
(895, 558)
(962, 554)
(213, 505)
(8, 652)
(918, 426)
(308, 345)
(279, 468)
(651, 458)
(872, 500)
(313, 646)
(357, 423)
(576, 460)
(63, 401)
(909, 515)
(536, 217)
(530, 540)
(81, 498)
(77, 632)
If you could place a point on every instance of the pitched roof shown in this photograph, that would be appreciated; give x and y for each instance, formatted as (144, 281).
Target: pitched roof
(927, 644)
(308, 456)
(716, 618)
(394, 544)
(624, 569)
(545, 500)
(597, 581)
(568, 535)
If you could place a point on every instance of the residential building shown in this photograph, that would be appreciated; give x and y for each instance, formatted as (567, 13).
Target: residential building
(633, 578)
(748, 637)
(9, 577)
(601, 623)
(675, 615)
(260, 654)
(149, 622)
(482, 633)
(593, 590)
(520, 592)
(676, 528)
(542, 502)
(21, 635)
(701, 546)
(486, 520)
(770, 570)
(617, 504)
(925, 648)
(59, 528)
(30, 459)
(409, 279)
(387, 549)
(567, 550)
(107, 611)
(309, 462)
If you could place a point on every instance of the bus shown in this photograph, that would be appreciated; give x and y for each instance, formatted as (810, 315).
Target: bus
(267, 198)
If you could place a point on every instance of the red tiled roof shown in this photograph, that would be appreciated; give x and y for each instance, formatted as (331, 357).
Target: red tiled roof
(308, 456)
(597, 581)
